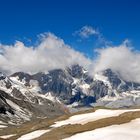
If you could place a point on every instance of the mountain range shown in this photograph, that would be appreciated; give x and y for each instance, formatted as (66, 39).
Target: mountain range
(25, 96)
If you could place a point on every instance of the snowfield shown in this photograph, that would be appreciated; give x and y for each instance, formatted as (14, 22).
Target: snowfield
(89, 117)
(33, 135)
(127, 131)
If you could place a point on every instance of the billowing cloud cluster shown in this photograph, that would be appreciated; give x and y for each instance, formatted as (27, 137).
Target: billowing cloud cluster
(86, 32)
(121, 59)
(51, 53)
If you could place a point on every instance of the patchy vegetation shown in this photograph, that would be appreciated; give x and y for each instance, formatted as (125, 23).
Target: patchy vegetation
(66, 130)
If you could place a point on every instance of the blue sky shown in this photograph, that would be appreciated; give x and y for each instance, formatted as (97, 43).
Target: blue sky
(116, 20)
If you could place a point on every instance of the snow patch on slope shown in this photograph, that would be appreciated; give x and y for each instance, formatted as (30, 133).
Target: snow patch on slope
(89, 117)
(13, 105)
(33, 135)
(7, 136)
(17, 81)
(3, 126)
(127, 131)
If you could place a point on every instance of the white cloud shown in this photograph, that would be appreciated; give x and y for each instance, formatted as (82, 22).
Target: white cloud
(86, 32)
(51, 53)
(122, 59)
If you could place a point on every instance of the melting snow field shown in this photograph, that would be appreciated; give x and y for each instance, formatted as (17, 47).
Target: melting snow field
(33, 135)
(127, 131)
(88, 117)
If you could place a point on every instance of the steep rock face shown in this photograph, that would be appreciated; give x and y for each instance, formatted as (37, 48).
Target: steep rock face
(4, 106)
(23, 77)
(118, 83)
(70, 85)
(76, 71)
(99, 89)
(57, 81)
(112, 78)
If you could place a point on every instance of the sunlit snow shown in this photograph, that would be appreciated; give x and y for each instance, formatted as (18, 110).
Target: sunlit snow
(127, 131)
(33, 135)
(88, 117)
